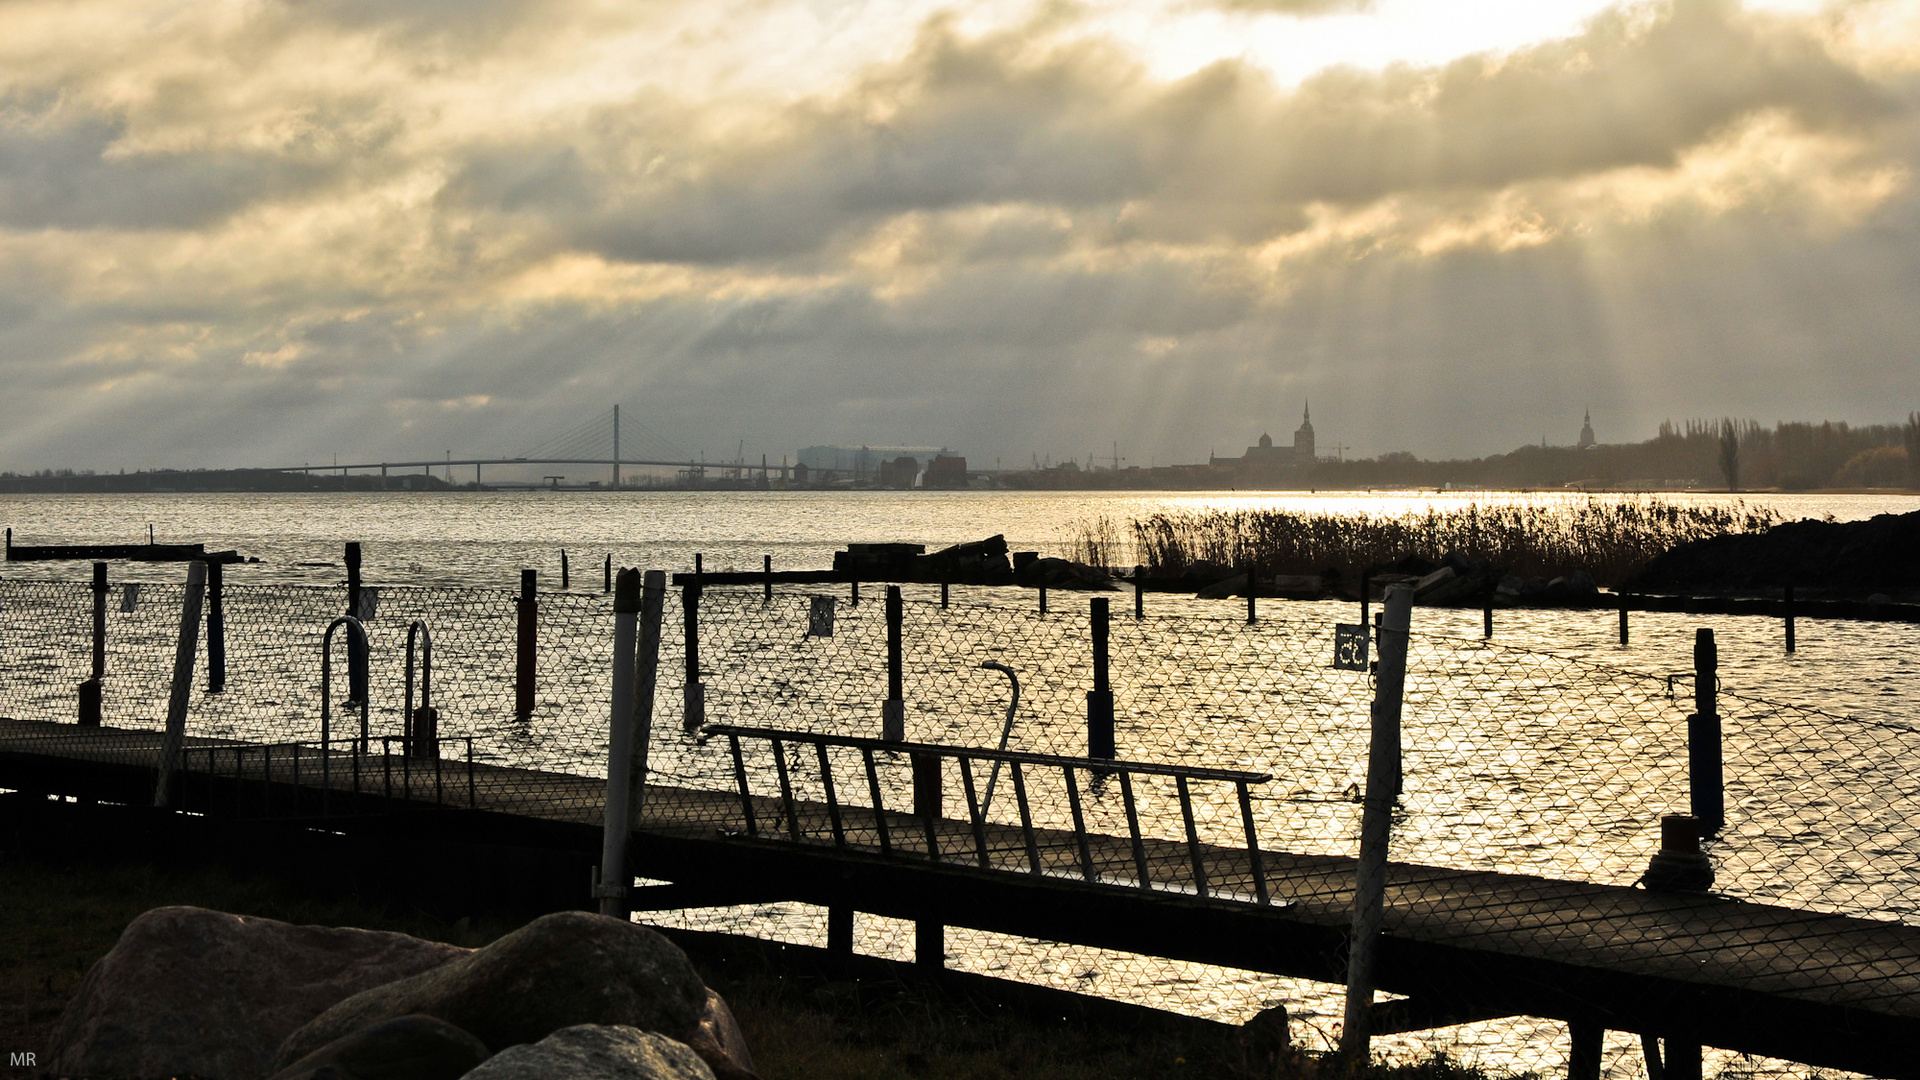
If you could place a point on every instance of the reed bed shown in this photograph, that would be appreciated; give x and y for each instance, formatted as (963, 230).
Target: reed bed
(1609, 539)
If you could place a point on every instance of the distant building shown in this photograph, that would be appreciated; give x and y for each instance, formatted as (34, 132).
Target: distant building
(1586, 432)
(1265, 455)
(900, 472)
(946, 471)
(859, 462)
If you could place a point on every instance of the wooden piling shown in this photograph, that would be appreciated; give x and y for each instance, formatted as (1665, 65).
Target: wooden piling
(1383, 786)
(1043, 599)
(1139, 594)
(175, 738)
(357, 674)
(566, 579)
(1486, 614)
(528, 641)
(216, 629)
(1623, 619)
(1705, 769)
(91, 689)
(1100, 735)
(893, 713)
(766, 567)
(1252, 615)
(943, 595)
(608, 572)
(1788, 604)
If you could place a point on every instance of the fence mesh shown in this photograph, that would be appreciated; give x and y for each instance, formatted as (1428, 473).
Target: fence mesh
(1540, 773)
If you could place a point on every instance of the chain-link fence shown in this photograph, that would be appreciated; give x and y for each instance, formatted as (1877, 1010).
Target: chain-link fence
(1536, 772)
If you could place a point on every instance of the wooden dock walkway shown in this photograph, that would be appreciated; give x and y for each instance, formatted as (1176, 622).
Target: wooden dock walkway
(1829, 990)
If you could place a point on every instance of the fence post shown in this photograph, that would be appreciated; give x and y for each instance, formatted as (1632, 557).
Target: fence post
(90, 690)
(356, 634)
(1139, 597)
(176, 734)
(693, 691)
(1100, 698)
(766, 569)
(929, 936)
(1383, 776)
(528, 643)
(216, 628)
(893, 714)
(1705, 770)
(614, 876)
(1789, 617)
(653, 601)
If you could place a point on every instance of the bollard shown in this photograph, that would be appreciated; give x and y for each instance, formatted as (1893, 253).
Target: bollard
(1623, 619)
(1705, 775)
(615, 877)
(216, 628)
(1789, 617)
(929, 936)
(566, 579)
(1139, 595)
(528, 642)
(175, 738)
(1383, 785)
(1679, 865)
(90, 690)
(693, 691)
(893, 714)
(1100, 698)
(766, 569)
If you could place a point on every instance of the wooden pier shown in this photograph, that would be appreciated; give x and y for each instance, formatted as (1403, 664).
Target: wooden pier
(1828, 990)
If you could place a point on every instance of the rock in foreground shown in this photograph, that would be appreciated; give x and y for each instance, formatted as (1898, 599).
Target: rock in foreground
(408, 1048)
(592, 1052)
(192, 992)
(556, 972)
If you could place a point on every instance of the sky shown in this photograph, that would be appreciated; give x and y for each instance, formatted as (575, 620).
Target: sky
(249, 232)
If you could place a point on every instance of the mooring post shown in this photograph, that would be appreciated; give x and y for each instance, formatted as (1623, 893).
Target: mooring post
(614, 877)
(1789, 617)
(176, 735)
(766, 571)
(1139, 596)
(1705, 775)
(90, 690)
(893, 713)
(529, 643)
(608, 572)
(1100, 698)
(854, 598)
(1366, 594)
(1251, 614)
(1043, 599)
(653, 602)
(1587, 1040)
(566, 580)
(1622, 598)
(1383, 785)
(216, 628)
(943, 594)
(1486, 614)
(693, 693)
(357, 647)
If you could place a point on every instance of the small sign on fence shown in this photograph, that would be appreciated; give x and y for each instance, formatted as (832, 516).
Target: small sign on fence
(1350, 646)
(369, 603)
(129, 597)
(820, 617)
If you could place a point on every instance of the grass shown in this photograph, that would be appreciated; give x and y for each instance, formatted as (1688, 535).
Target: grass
(56, 921)
(1607, 538)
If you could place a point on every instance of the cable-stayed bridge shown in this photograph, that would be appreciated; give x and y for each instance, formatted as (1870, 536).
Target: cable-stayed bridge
(596, 442)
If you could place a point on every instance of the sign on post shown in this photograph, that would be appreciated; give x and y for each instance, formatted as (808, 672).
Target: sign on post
(820, 617)
(1350, 647)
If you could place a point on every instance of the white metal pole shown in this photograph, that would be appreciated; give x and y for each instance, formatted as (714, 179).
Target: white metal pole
(614, 878)
(176, 736)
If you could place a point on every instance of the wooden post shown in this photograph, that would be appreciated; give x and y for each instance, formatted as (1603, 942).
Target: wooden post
(528, 644)
(1486, 614)
(608, 586)
(615, 877)
(1366, 593)
(929, 937)
(1587, 1041)
(1043, 599)
(216, 629)
(1789, 617)
(653, 601)
(766, 569)
(854, 600)
(1139, 596)
(356, 634)
(1100, 698)
(566, 580)
(893, 713)
(1705, 769)
(693, 693)
(1383, 774)
(1623, 619)
(1251, 614)
(1681, 1060)
(176, 734)
(943, 594)
(91, 690)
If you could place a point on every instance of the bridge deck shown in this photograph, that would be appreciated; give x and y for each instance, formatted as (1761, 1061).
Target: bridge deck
(1740, 975)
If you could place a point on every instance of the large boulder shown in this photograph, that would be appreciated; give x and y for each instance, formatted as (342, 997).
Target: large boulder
(558, 971)
(594, 1052)
(192, 992)
(720, 1043)
(405, 1048)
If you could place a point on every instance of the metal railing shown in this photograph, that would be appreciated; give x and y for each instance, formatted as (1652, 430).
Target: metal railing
(304, 767)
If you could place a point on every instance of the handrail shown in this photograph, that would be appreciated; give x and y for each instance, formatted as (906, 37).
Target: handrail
(1191, 772)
